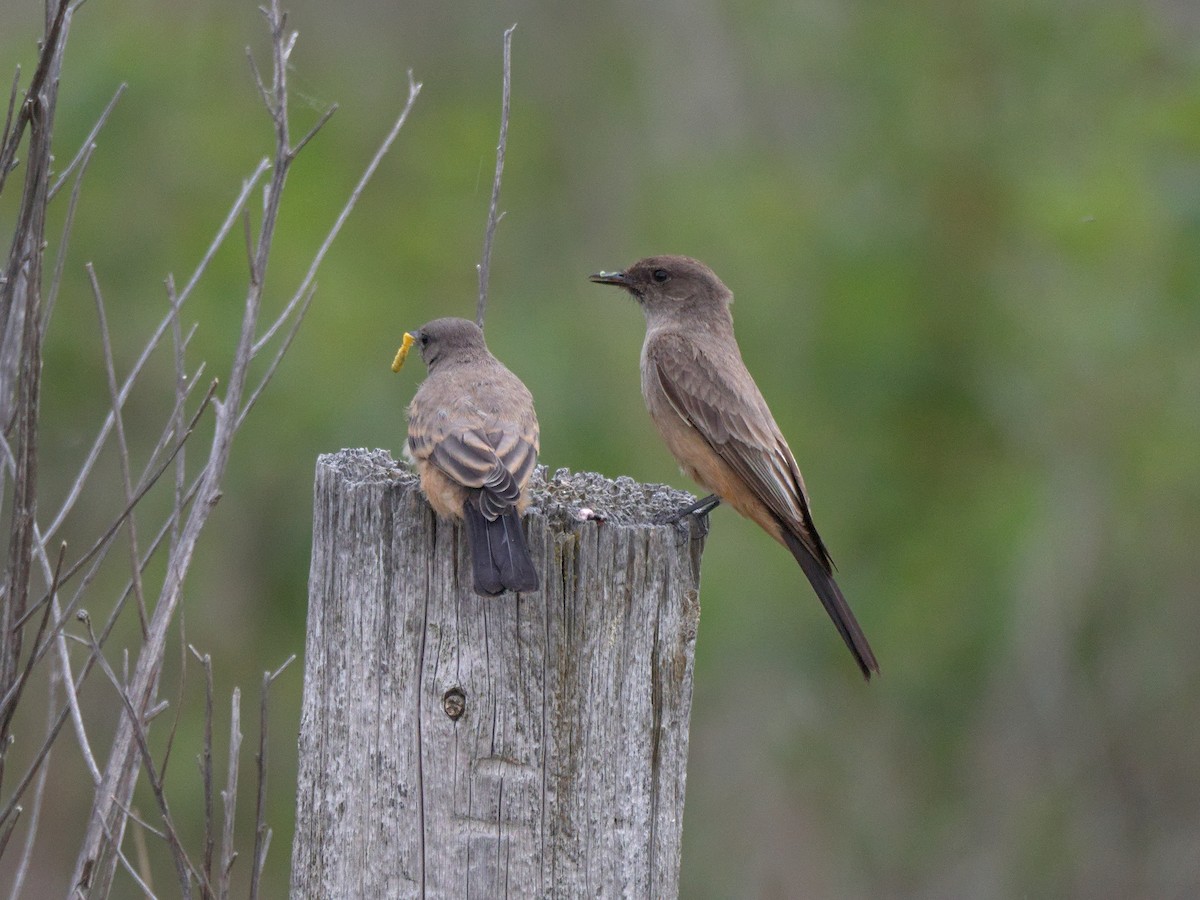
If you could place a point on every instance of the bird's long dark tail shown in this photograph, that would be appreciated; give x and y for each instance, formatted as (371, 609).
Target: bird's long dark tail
(500, 556)
(834, 603)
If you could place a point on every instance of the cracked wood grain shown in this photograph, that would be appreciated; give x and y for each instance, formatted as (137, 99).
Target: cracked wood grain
(530, 745)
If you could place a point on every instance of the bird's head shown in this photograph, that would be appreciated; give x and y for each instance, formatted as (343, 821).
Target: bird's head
(442, 341)
(665, 285)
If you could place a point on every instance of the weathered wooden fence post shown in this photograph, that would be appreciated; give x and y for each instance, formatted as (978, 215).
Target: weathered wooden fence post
(453, 745)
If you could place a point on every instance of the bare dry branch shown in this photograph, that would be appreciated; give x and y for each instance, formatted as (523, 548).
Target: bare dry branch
(183, 866)
(98, 549)
(206, 771)
(89, 143)
(8, 828)
(263, 92)
(181, 390)
(278, 357)
(21, 293)
(137, 819)
(133, 873)
(64, 241)
(312, 132)
(139, 846)
(14, 695)
(121, 771)
(71, 686)
(12, 104)
(248, 238)
(163, 705)
(53, 576)
(229, 796)
(122, 446)
(493, 218)
(36, 801)
(148, 483)
(140, 667)
(248, 186)
(42, 755)
(262, 834)
(414, 88)
(151, 345)
(46, 72)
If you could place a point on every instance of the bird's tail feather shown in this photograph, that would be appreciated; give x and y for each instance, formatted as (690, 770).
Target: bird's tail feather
(500, 556)
(834, 603)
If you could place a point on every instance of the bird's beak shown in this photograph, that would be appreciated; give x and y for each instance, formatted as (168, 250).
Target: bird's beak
(617, 278)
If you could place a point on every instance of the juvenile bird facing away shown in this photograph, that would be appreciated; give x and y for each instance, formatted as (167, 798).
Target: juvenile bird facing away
(716, 423)
(473, 436)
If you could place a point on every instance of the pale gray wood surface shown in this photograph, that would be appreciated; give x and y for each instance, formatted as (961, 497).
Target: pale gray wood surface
(564, 774)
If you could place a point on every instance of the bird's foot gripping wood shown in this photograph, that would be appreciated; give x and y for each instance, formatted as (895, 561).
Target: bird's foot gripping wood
(700, 509)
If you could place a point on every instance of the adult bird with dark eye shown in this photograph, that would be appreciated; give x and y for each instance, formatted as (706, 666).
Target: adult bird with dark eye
(473, 437)
(714, 420)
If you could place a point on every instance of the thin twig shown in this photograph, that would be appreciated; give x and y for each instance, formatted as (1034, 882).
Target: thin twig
(137, 819)
(278, 357)
(414, 88)
(7, 830)
(493, 218)
(206, 770)
(129, 869)
(229, 795)
(149, 478)
(312, 132)
(122, 445)
(152, 343)
(181, 390)
(166, 760)
(36, 801)
(248, 239)
(89, 143)
(259, 83)
(25, 258)
(65, 240)
(53, 576)
(264, 165)
(72, 686)
(262, 834)
(12, 104)
(183, 866)
(122, 769)
(43, 753)
(139, 846)
(51, 54)
(14, 696)
(115, 525)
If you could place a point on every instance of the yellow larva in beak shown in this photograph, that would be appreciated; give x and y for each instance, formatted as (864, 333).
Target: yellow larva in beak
(402, 353)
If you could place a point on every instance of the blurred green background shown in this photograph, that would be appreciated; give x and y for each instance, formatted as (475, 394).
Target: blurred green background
(964, 239)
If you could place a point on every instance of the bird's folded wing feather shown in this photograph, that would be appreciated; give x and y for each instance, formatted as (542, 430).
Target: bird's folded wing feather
(495, 460)
(735, 421)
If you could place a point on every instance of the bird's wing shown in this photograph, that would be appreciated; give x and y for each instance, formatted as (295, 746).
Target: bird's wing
(476, 450)
(516, 442)
(717, 396)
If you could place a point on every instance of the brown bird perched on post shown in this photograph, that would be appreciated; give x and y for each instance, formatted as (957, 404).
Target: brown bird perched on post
(473, 436)
(716, 423)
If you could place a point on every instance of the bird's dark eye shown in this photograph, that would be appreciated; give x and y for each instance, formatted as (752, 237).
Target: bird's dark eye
(424, 340)
(660, 275)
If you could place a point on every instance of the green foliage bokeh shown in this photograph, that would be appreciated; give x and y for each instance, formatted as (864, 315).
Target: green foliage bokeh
(964, 240)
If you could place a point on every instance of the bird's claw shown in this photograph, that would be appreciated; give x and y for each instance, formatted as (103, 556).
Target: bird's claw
(698, 511)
